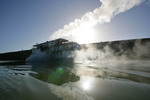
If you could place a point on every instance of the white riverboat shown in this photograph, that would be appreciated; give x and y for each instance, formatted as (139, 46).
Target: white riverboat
(55, 49)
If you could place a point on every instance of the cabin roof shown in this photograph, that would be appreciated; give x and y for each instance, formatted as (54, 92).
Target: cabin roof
(60, 39)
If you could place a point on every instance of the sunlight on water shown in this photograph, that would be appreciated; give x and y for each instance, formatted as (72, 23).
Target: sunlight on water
(87, 84)
(79, 81)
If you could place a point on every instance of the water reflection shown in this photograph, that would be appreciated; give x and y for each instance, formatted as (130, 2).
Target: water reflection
(87, 83)
(54, 73)
(12, 62)
(61, 72)
(79, 81)
(104, 89)
(16, 84)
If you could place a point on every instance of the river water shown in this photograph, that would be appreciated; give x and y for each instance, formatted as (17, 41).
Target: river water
(105, 80)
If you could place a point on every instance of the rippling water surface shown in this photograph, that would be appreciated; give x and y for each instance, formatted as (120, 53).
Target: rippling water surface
(106, 80)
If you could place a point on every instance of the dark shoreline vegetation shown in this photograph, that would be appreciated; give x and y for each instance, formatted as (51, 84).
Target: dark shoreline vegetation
(126, 48)
(17, 55)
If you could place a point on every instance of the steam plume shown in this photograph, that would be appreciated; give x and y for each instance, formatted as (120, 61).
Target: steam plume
(103, 14)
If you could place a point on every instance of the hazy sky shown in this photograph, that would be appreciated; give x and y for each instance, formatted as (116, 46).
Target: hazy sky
(25, 22)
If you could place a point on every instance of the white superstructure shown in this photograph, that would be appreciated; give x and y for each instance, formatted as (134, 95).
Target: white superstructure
(55, 49)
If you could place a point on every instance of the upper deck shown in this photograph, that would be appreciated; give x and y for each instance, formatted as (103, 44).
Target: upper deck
(59, 41)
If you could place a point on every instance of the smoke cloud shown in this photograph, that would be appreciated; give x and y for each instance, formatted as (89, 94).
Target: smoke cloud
(103, 14)
(113, 51)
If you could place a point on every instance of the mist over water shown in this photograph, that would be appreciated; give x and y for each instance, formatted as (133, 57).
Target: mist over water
(63, 80)
(98, 71)
(113, 51)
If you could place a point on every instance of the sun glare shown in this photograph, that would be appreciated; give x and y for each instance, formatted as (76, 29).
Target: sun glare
(85, 35)
(87, 83)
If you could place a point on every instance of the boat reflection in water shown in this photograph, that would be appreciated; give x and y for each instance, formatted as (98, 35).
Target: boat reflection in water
(100, 81)
(115, 80)
(56, 73)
